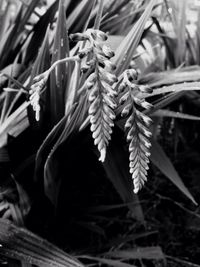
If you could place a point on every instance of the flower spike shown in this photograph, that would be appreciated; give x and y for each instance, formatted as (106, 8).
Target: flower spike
(101, 95)
(136, 126)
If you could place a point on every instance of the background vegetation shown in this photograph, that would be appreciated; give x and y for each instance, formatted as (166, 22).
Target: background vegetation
(51, 182)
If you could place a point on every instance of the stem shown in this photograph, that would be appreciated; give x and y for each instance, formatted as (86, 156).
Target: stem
(63, 60)
(46, 73)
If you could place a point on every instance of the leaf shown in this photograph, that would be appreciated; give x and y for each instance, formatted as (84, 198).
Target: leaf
(128, 46)
(46, 156)
(78, 18)
(19, 243)
(165, 100)
(46, 147)
(16, 123)
(71, 127)
(174, 114)
(118, 23)
(42, 61)
(174, 76)
(118, 241)
(98, 18)
(179, 24)
(73, 86)
(58, 77)
(168, 43)
(138, 253)
(197, 39)
(8, 40)
(13, 39)
(39, 30)
(4, 18)
(163, 163)
(109, 262)
(116, 168)
(10, 100)
(180, 87)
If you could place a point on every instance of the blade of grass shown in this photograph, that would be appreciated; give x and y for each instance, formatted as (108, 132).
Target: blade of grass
(58, 77)
(179, 24)
(4, 19)
(163, 163)
(18, 243)
(71, 126)
(128, 46)
(39, 30)
(139, 253)
(14, 124)
(98, 18)
(73, 85)
(108, 262)
(78, 18)
(174, 114)
(14, 37)
(116, 168)
(185, 74)
(176, 88)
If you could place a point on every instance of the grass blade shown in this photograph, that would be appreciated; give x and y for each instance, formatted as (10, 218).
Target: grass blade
(99, 15)
(108, 262)
(4, 19)
(116, 168)
(21, 244)
(139, 253)
(79, 17)
(163, 163)
(128, 46)
(174, 114)
(14, 124)
(179, 24)
(176, 88)
(39, 31)
(58, 77)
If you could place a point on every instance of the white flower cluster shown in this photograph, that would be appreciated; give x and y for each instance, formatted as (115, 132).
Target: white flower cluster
(101, 95)
(38, 83)
(136, 126)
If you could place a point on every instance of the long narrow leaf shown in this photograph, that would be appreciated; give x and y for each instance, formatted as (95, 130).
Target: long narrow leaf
(176, 88)
(58, 78)
(108, 262)
(139, 253)
(174, 114)
(127, 47)
(78, 18)
(21, 244)
(72, 125)
(116, 168)
(39, 31)
(163, 163)
(174, 76)
(12, 126)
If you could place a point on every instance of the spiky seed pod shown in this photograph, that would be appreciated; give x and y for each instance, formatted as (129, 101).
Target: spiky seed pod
(101, 95)
(136, 126)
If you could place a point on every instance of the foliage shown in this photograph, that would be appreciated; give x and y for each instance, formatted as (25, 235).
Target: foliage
(63, 88)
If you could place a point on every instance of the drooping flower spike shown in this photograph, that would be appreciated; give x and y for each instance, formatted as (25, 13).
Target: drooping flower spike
(101, 95)
(137, 126)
